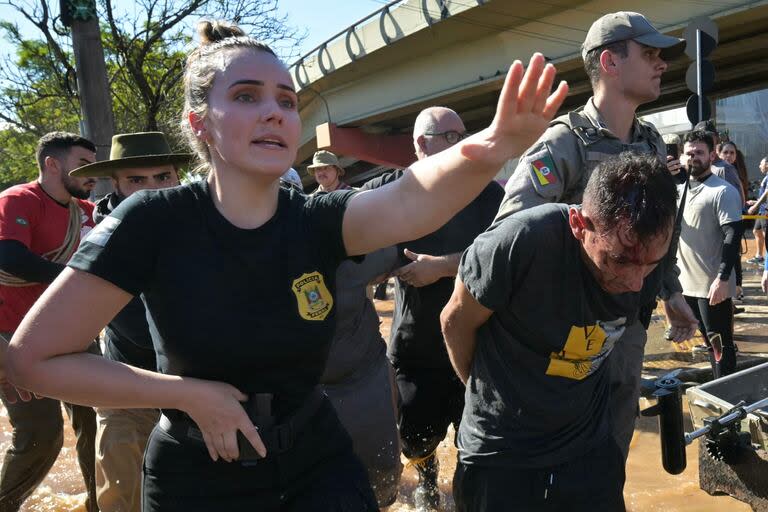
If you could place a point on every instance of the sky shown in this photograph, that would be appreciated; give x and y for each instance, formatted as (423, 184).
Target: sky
(321, 18)
(325, 18)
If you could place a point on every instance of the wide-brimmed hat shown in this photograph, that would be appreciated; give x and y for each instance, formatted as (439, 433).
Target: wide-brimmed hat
(323, 158)
(625, 25)
(143, 149)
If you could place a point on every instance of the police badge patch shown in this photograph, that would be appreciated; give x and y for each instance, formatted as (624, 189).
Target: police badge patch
(313, 298)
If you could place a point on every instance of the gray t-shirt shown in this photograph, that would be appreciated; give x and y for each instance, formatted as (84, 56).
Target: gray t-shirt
(357, 341)
(708, 206)
(538, 390)
(728, 172)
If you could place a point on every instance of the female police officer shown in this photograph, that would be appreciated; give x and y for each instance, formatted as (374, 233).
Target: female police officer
(237, 276)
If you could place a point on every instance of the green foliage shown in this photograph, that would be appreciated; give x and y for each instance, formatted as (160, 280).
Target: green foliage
(16, 164)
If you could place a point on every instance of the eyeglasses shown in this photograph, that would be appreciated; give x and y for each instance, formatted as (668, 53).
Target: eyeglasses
(451, 136)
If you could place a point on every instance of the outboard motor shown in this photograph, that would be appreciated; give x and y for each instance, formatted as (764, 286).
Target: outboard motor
(724, 439)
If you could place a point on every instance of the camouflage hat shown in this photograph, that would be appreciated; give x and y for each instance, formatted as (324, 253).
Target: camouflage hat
(625, 25)
(323, 158)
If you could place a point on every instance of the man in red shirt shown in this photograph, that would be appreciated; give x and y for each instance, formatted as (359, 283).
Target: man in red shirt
(41, 224)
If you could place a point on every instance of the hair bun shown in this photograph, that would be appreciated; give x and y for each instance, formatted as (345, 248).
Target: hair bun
(214, 31)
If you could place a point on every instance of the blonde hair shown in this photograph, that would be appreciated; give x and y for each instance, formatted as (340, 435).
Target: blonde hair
(216, 37)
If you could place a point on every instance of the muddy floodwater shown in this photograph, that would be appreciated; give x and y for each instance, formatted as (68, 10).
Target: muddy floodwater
(648, 488)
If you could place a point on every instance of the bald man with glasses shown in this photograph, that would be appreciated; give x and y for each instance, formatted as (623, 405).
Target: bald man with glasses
(451, 136)
(431, 395)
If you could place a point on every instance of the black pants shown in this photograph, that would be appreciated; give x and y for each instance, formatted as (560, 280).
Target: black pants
(739, 273)
(592, 483)
(320, 473)
(430, 401)
(716, 321)
(38, 435)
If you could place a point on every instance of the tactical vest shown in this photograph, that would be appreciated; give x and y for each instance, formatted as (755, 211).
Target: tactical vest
(594, 147)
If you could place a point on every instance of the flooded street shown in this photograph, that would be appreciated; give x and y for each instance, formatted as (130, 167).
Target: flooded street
(648, 488)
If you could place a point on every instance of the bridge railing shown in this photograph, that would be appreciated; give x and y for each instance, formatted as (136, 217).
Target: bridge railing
(353, 44)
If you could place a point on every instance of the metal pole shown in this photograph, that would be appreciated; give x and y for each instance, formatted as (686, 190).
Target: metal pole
(689, 438)
(698, 75)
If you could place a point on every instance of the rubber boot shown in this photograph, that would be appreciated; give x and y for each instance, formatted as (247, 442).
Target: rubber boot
(716, 372)
(426, 496)
(381, 291)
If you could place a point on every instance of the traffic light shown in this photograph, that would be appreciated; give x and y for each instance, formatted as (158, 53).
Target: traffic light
(81, 10)
(701, 37)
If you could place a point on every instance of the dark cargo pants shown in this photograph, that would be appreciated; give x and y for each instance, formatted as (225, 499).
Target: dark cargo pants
(590, 483)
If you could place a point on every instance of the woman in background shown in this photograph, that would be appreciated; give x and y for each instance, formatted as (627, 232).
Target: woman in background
(731, 154)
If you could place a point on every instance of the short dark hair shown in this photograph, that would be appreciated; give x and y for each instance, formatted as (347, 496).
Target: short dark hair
(633, 188)
(706, 126)
(56, 144)
(592, 59)
(700, 136)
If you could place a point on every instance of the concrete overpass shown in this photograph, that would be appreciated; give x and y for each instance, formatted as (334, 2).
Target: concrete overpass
(364, 86)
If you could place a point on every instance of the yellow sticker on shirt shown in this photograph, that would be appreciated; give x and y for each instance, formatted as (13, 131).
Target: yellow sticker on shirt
(313, 298)
(576, 359)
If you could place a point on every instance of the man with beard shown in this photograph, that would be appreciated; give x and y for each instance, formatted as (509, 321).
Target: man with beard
(720, 167)
(137, 161)
(710, 240)
(41, 224)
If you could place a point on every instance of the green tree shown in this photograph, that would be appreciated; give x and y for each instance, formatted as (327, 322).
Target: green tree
(145, 48)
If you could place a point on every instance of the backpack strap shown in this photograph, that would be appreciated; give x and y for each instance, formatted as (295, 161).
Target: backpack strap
(651, 134)
(582, 128)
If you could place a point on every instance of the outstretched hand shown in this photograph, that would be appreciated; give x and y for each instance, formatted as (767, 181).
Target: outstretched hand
(523, 112)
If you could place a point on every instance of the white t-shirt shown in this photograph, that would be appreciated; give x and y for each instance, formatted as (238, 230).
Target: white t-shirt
(708, 206)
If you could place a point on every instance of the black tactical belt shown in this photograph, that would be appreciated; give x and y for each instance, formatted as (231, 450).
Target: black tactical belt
(277, 437)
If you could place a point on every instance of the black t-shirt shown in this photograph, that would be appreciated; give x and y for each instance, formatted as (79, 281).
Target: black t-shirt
(126, 338)
(251, 307)
(416, 338)
(537, 394)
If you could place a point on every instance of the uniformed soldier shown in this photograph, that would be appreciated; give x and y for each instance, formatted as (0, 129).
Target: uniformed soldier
(624, 56)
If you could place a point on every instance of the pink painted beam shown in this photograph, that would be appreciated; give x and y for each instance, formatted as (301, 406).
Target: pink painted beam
(386, 150)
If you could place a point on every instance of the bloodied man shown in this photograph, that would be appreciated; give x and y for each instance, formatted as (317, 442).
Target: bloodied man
(535, 429)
